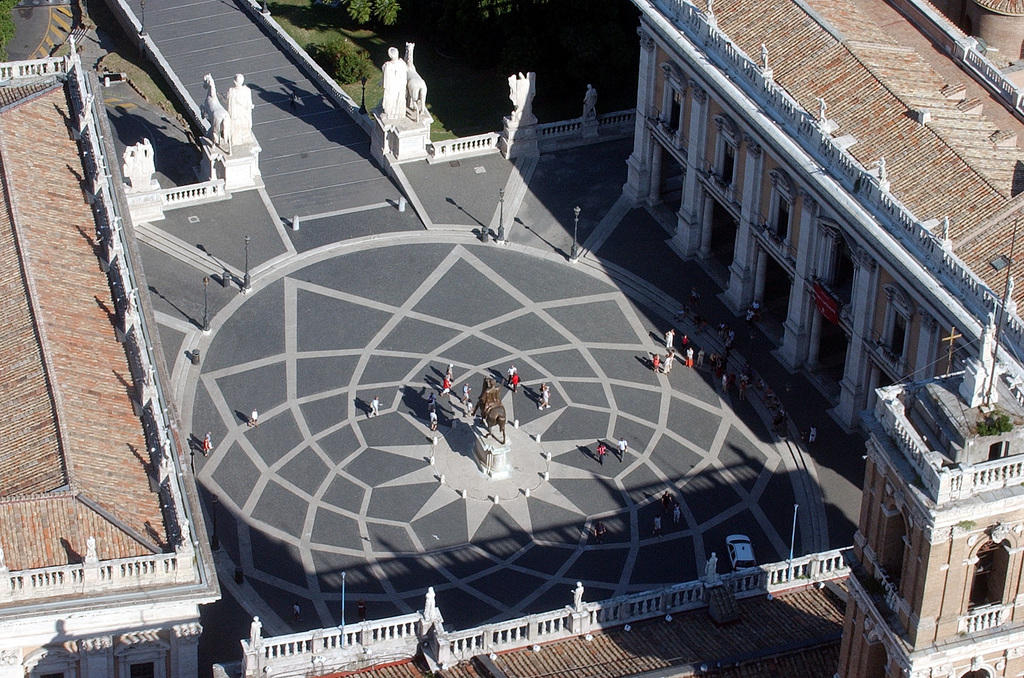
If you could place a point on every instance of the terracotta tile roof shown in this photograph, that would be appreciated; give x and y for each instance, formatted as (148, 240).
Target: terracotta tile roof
(11, 95)
(104, 450)
(959, 164)
(807, 618)
(409, 668)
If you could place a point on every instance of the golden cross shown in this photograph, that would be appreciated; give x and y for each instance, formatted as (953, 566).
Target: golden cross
(953, 336)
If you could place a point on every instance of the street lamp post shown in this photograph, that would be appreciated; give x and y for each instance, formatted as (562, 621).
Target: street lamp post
(362, 99)
(501, 216)
(575, 253)
(142, 28)
(246, 280)
(792, 541)
(343, 608)
(206, 303)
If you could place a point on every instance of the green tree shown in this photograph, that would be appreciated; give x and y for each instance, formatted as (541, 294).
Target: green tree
(366, 11)
(6, 25)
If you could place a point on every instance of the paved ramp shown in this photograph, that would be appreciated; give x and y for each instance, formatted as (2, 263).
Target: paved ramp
(315, 158)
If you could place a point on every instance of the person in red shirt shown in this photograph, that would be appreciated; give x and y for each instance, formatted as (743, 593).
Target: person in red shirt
(515, 382)
(656, 362)
(446, 387)
(601, 451)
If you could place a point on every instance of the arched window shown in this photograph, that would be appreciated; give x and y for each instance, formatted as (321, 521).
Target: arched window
(989, 579)
(980, 673)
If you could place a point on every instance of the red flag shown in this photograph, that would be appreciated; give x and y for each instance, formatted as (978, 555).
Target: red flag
(828, 306)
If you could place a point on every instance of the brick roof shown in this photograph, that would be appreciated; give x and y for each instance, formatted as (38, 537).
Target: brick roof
(959, 164)
(102, 455)
(795, 634)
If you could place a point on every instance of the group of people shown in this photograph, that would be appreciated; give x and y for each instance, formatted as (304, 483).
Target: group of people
(622, 446)
(689, 356)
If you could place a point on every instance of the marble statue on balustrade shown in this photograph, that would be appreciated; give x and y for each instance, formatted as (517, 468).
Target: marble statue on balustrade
(216, 116)
(396, 81)
(590, 103)
(415, 88)
(255, 633)
(711, 569)
(139, 166)
(240, 111)
(522, 89)
(577, 597)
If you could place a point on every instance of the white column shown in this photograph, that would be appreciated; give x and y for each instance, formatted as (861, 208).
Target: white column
(97, 655)
(185, 650)
(688, 234)
(927, 341)
(760, 274)
(654, 192)
(706, 226)
(854, 382)
(638, 169)
(798, 319)
(814, 342)
(741, 289)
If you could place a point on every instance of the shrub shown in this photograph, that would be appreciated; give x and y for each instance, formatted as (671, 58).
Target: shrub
(345, 61)
(994, 424)
(6, 25)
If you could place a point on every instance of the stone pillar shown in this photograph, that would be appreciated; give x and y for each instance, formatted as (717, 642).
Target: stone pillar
(688, 233)
(654, 190)
(97, 657)
(184, 649)
(760, 273)
(814, 342)
(927, 341)
(706, 225)
(741, 291)
(852, 386)
(801, 306)
(637, 168)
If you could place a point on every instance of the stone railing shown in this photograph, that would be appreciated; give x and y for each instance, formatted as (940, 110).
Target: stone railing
(983, 618)
(963, 50)
(193, 194)
(91, 578)
(131, 325)
(33, 68)
(318, 75)
(463, 147)
(369, 643)
(861, 191)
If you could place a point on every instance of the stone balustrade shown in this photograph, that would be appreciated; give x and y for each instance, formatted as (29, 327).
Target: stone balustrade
(463, 147)
(803, 127)
(105, 576)
(398, 638)
(33, 68)
(983, 618)
(193, 194)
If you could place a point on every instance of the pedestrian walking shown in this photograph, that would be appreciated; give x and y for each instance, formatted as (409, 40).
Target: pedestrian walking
(545, 397)
(508, 376)
(685, 341)
(601, 451)
(465, 394)
(448, 372)
(656, 362)
(670, 338)
(296, 612)
(254, 418)
(433, 420)
(676, 513)
(666, 502)
(730, 338)
(375, 406)
(515, 382)
(689, 356)
(700, 357)
(446, 387)
(656, 532)
(725, 383)
(744, 382)
(670, 359)
(623, 446)
(812, 435)
(207, 444)
(600, 531)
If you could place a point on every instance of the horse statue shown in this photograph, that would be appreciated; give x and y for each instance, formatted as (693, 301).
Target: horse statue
(416, 87)
(490, 408)
(215, 114)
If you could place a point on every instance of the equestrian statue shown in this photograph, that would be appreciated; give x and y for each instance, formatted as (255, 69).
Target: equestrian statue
(490, 408)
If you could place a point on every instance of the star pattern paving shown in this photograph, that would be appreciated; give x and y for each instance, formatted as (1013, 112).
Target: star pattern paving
(319, 487)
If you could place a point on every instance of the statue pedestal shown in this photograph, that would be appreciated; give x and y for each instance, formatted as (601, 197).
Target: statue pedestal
(146, 205)
(518, 138)
(241, 167)
(400, 139)
(492, 457)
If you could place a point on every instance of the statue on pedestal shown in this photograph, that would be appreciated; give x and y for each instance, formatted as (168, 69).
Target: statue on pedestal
(416, 87)
(590, 103)
(139, 166)
(490, 409)
(240, 111)
(396, 81)
(521, 91)
(216, 115)
(577, 597)
(255, 633)
(711, 568)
